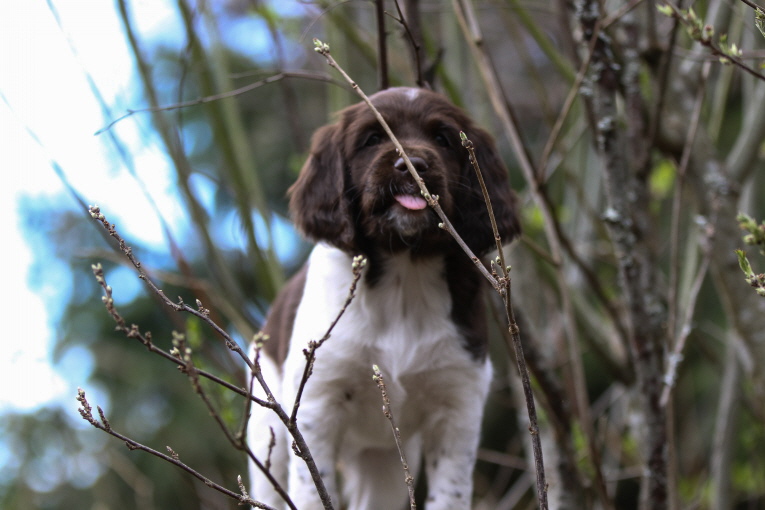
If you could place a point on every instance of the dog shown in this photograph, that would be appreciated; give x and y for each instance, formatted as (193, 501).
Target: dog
(418, 312)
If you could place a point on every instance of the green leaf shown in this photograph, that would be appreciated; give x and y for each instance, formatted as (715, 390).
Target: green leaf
(743, 263)
(662, 178)
(665, 10)
(759, 20)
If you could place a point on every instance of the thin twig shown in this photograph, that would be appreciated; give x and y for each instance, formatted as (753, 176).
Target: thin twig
(555, 236)
(676, 356)
(359, 262)
(414, 41)
(217, 97)
(301, 447)
(536, 442)
(703, 35)
(134, 331)
(388, 411)
(180, 354)
(753, 5)
(86, 411)
(674, 269)
(467, 19)
(382, 46)
(506, 293)
(432, 200)
(564, 111)
(662, 87)
(184, 352)
(467, 144)
(501, 284)
(201, 313)
(621, 11)
(258, 343)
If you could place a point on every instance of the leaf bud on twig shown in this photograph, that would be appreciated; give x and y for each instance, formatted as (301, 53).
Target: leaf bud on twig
(320, 47)
(172, 453)
(359, 262)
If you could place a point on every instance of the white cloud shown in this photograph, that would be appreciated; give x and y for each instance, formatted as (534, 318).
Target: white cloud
(45, 90)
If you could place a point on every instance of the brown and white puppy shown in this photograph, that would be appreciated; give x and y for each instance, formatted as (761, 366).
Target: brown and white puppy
(418, 313)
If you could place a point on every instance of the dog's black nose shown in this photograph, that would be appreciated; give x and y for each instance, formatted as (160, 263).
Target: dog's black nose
(419, 164)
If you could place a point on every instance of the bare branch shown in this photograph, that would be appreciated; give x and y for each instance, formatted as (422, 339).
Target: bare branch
(703, 34)
(87, 414)
(217, 97)
(432, 200)
(411, 24)
(134, 331)
(500, 283)
(202, 313)
(382, 46)
(388, 411)
(358, 264)
(468, 22)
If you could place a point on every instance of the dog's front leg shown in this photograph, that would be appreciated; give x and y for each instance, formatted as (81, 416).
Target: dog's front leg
(319, 423)
(303, 490)
(449, 465)
(452, 441)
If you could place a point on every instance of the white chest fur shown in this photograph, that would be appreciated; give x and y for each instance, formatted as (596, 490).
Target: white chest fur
(402, 323)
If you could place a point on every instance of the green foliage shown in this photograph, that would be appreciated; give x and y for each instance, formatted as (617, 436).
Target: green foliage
(759, 20)
(663, 179)
(755, 237)
(749, 473)
(703, 33)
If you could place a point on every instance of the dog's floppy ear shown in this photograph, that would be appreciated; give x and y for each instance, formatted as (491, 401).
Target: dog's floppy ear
(473, 222)
(318, 201)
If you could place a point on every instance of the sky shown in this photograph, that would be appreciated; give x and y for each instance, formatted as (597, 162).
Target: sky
(49, 114)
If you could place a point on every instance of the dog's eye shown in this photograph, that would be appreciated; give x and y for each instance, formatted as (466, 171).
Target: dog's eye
(372, 140)
(442, 140)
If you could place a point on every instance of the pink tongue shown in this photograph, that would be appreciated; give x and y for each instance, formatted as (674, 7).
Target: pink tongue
(411, 202)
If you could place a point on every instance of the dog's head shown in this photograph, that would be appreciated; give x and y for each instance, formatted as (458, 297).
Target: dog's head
(356, 193)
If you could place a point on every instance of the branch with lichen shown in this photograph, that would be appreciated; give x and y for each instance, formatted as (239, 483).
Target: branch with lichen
(628, 225)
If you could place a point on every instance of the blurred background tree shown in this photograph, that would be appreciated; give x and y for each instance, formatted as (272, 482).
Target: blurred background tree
(632, 147)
